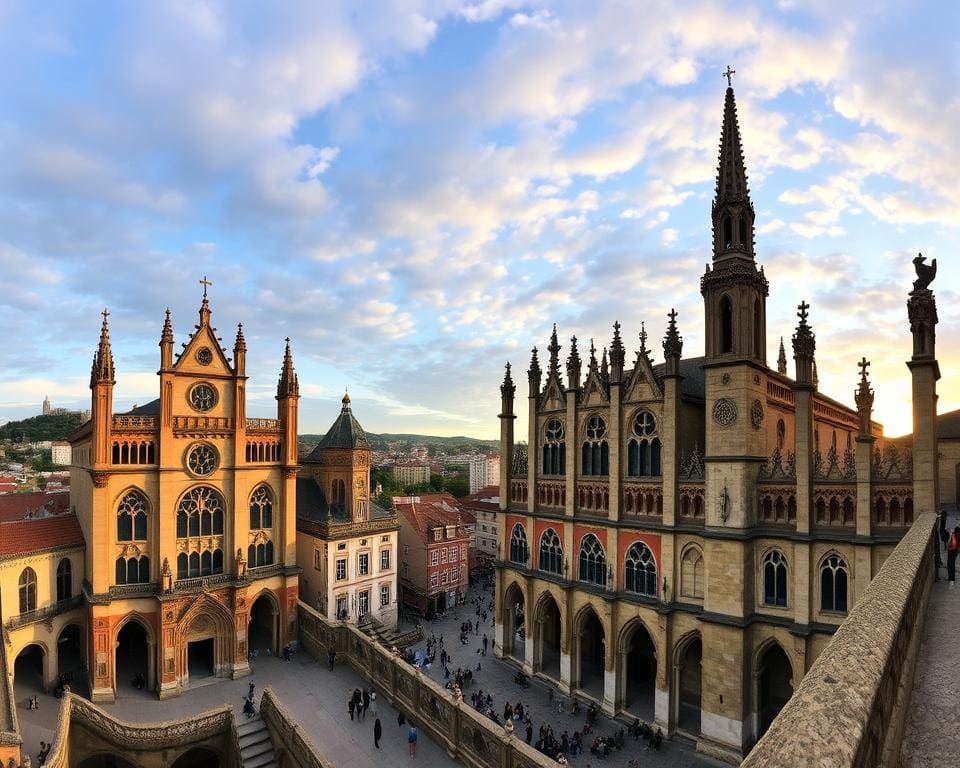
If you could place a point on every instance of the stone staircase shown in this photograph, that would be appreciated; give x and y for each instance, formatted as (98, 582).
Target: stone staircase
(256, 748)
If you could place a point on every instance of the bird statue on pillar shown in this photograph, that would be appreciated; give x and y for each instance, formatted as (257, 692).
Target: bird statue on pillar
(925, 272)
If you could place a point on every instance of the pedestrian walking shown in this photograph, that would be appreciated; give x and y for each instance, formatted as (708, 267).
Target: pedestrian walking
(250, 690)
(373, 702)
(485, 643)
(377, 733)
(350, 706)
(953, 548)
(412, 740)
(366, 702)
(401, 719)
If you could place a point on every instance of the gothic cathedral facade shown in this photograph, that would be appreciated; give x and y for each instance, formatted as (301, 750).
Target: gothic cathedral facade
(188, 513)
(679, 541)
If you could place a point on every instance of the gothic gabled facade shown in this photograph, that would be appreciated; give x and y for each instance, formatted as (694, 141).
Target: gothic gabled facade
(680, 539)
(188, 513)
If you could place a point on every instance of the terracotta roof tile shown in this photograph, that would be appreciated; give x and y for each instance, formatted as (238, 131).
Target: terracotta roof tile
(19, 506)
(22, 537)
(429, 510)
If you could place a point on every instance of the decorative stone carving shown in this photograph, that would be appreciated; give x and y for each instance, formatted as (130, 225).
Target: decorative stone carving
(756, 414)
(725, 412)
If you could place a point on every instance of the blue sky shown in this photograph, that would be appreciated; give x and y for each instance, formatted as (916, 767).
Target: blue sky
(415, 192)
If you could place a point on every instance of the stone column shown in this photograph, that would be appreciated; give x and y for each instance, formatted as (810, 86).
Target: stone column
(804, 346)
(924, 371)
(670, 423)
(507, 419)
(864, 454)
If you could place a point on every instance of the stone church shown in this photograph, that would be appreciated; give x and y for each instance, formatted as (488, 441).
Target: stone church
(680, 539)
(187, 509)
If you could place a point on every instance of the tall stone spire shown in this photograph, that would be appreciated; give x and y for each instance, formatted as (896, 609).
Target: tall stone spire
(617, 355)
(508, 388)
(288, 386)
(534, 373)
(672, 345)
(804, 346)
(102, 368)
(592, 364)
(863, 396)
(782, 359)
(240, 351)
(574, 365)
(166, 342)
(733, 215)
(554, 349)
(604, 368)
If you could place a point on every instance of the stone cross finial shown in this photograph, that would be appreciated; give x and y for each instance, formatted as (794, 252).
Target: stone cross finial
(863, 365)
(643, 336)
(729, 75)
(672, 314)
(205, 283)
(106, 314)
(802, 313)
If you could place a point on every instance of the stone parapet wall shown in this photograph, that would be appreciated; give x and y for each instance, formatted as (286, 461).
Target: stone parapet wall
(849, 709)
(467, 735)
(292, 746)
(9, 727)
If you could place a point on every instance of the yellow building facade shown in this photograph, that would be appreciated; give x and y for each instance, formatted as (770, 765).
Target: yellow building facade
(188, 510)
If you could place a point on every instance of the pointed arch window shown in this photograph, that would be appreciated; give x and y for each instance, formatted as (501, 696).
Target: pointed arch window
(691, 573)
(640, 570)
(758, 350)
(338, 496)
(592, 561)
(27, 587)
(133, 570)
(261, 508)
(132, 517)
(742, 221)
(775, 579)
(726, 325)
(644, 451)
(551, 552)
(554, 449)
(519, 552)
(727, 232)
(64, 580)
(833, 584)
(595, 453)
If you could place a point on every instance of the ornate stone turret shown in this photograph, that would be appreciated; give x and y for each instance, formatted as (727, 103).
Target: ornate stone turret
(672, 346)
(924, 371)
(863, 397)
(804, 347)
(507, 391)
(574, 365)
(604, 367)
(288, 396)
(102, 369)
(643, 351)
(240, 352)
(617, 355)
(166, 343)
(782, 359)
(102, 379)
(534, 374)
(733, 214)
(554, 349)
(288, 386)
(592, 366)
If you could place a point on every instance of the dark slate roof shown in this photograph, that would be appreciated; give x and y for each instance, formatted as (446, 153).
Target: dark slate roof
(948, 426)
(346, 432)
(312, 505)
(150, 409)
(694, 382)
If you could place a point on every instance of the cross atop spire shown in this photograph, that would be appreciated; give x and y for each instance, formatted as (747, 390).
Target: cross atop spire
(803, 311)
(102, 369)
(863, 365)
(643, 338)
(729, 75)
(204, 282)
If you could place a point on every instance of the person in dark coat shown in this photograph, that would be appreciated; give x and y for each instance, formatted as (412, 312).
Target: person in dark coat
(350, 706)
(366, 702)
(953, 548)
(377, 733)
(401, 719)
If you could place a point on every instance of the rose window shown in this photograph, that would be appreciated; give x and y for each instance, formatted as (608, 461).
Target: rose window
(203, 397)
(202, 459)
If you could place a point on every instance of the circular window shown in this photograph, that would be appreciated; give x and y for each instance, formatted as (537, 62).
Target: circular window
(202, 459)
(596, 428)
(644, 423)
(554, 430)
(204, 356)
(724, 412)
(203, 397)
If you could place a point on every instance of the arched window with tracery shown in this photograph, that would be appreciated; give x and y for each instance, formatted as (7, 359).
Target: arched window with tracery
(644, 451)
(132, 517)
(261, 508)
(28, 590)
(133, 570)
(554, 448)
(691, 573)
(64, 580)
(551, 552)
(726, 325)
(640, 570)
(775, 578)
(595, 454)
(200, 513)
(519, 552)
(592, 561)
(833, 584)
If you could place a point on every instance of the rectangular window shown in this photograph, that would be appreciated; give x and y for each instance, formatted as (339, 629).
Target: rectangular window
(453, 554)
(463, 552)
(406, 570)
(434, 557)
(385, 539)
(444, 577)
(341, 568)
(406, 549)
(316, 559)
(342, 607)
(443, 555)
(363, 603)
(437, 533)
(341, 546)
(363, 564)
(384, 596)
(384, 559)
(433, 580)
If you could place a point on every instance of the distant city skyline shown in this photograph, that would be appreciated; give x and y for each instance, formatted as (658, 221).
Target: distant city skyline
(415, 193)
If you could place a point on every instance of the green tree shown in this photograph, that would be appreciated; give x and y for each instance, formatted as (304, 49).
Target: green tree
(456, 486)
(43, 462)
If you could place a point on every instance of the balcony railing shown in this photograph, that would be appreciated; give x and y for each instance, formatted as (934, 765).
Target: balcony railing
(263, 425)
(593, 499)
(551, 495)
(518, 492)
(41, 614)
(205, 423)
(135, 423)
(197, 582)
(643, 499)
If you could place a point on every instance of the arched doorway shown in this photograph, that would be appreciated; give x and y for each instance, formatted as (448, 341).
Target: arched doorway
(591, 655)
(28, 671)
(547, 638)
(639, 663)
(262, 629)
(132, 660)
(198, 757)
(688, 685)
(775, 683)
(71, 661)
(206, 642)
(514, 620)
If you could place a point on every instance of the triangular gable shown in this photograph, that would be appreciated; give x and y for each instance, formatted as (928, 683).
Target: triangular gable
(204, 336)
(642, 384)
(594, 392)
(553, 397)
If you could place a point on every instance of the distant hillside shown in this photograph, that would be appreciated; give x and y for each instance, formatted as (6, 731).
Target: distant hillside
(37, 428)
(460, 444)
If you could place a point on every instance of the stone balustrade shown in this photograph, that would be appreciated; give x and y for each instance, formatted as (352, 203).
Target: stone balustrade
(467, 736)
(9, 727)
(850, 709)
(291, 745)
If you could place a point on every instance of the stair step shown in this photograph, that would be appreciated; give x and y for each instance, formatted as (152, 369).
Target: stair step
(266, 760)
(254, 750)
(256, 737)
(250, 726)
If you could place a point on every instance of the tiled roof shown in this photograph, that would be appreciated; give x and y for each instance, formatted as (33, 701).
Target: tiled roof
(694, 382)
(150, 409)
(23, 537)
(345, 432)
(312, 505)
(428, 511)
(19, 506)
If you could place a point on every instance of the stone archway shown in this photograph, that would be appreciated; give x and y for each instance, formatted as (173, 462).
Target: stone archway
(590, 654)
(71, 658)
(198, 757)
(206, 642)
(688, 685)
(547, 639)
(638, 670)
(29, 670)
(133, 657)
(263, 627)
(774, 675)
(514, 623)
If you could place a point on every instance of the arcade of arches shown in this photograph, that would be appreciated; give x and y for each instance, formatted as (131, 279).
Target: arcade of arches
(647, 670)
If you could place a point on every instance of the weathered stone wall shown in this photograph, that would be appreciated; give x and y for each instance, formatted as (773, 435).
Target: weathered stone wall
(293, 748)
(467, 735)
(9, 728)
(849, 709)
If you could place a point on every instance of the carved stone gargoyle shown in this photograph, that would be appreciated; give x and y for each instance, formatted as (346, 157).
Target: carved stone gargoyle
(925, 272)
